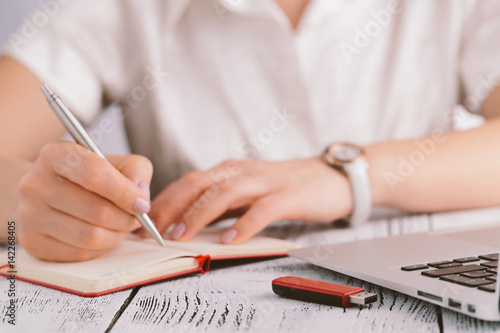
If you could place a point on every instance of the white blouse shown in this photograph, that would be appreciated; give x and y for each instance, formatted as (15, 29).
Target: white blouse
(201, 81)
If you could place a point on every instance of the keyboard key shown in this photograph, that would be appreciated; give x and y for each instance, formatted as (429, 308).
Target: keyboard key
(437, 263)
(466, 259)
(491, 257)
(488, 287)
(452, 270)
(413, 267)
(451, 264)
(490, 264)
(476, 275)
(492, 270)
(492, 278)
(462, 280)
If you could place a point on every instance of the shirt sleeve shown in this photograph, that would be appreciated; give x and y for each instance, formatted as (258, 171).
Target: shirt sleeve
(78, 49)
(480, 53)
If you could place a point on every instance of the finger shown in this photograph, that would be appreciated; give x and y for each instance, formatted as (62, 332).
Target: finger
(171, 205)
(175, 200)
(50, 249)
(203, 211)
(95, 174)
(213, 203)
(262, 213)
(72, 231)
(137, 168)
(71, 199)
(87, 206)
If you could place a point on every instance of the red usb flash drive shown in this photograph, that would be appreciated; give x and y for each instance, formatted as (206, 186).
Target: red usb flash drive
(321, 292)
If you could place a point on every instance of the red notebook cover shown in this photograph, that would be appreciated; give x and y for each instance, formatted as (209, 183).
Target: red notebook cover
(204, 265)
(134, 254)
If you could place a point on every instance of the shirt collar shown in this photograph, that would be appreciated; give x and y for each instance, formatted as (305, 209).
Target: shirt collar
(177, 8)
(246, 7)
(262, 8)
(317, 9)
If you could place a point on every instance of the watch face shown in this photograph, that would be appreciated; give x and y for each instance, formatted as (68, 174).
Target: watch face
(345, 152)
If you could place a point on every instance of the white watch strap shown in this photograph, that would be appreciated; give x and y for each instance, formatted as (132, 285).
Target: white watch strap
(360, 185)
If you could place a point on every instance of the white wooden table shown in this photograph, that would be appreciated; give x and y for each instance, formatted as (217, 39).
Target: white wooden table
(239, 297)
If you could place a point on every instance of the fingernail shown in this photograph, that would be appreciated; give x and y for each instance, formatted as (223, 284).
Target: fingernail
(141, 206)
(145, 188)
(228, 236)
(178, 231)
(169, 229)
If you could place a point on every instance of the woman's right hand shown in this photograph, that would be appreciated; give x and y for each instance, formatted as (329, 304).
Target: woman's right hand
(74, 205)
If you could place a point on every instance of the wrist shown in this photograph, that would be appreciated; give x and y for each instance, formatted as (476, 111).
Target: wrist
(350, 160)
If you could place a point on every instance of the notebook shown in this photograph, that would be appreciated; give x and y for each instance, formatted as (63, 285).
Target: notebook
(137, 262)
(453, 268)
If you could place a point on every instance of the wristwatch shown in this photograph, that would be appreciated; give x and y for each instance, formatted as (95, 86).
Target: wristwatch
(350, 160)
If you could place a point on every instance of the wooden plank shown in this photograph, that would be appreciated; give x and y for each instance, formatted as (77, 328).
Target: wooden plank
(308, 234)
(41, 309)
(240, 297)
(409, 224)
(457, 322)
(466, 218)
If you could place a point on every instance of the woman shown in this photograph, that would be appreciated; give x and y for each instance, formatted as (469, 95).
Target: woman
(234, 103)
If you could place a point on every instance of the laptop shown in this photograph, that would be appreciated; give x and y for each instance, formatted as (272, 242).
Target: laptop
(453, 268)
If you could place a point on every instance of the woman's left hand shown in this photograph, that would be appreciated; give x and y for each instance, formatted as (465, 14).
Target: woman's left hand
(262, 192)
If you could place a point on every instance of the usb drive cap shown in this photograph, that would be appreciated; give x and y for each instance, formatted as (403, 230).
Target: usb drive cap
(362, 298)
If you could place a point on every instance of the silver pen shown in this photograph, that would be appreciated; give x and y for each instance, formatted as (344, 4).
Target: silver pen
(81, 137)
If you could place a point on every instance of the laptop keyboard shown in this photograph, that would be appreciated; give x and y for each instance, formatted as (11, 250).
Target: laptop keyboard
(475, 272)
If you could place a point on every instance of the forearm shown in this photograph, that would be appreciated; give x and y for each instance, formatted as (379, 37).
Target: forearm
(445, 171)
(11, 172)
